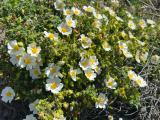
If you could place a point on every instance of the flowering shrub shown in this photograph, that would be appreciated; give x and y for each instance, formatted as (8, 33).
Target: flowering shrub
(68, 56)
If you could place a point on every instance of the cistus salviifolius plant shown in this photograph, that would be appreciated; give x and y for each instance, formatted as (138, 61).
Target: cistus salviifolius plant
(64, 56)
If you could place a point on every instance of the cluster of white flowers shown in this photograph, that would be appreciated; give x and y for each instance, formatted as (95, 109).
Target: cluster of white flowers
(90, 67)
(66, 27)
(137, 79)
(142, 23)
(54, 82)
(31, 60)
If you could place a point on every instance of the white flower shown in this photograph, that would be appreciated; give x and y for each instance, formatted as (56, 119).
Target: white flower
(7, 94)
(140, 56)
(35, 73)
(144, 56)
(54, 85)
(30, 117)
(73, 73)
(127, 54)
(131, 35)
(119, 19)
(86, 41)
(132, 75)
(90, 74)
(64, 29)
(137, 56)
(141, 43)
(15, 59)
(59, 5)
(129, 15)
(84, 64)
(140, 81)
(155, 59)
(97, 23)
(27, 61)
(106, 46)
(142, 24)
(39, 61)
(61, 117)
(76, 11)
(70, 22)
(122, 46)
(14, 48)
(98, 70)
(88, 8)
(111, 83)
(97, 15)
(33, 50)
(102, 101)
(32, 106)
(93, 62)
(131, 25)
(105, 18)
(151, 22)
(123, 34)
(53, 71)
(67, 12)
(115, 2)
(111, 12)
(110, 117)
(51, 36)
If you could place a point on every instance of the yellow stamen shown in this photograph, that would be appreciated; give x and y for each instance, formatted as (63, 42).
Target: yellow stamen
(53, 70)
(16, 47)
(34, 50)
(27, 61)
(92, 61)
(69, 23)
(17, 57)
(84, 63)
(8, 94)
(89, 74)
(64, 30)
(73, 73)
(36, 72)
(110, 83)
(76, 12)
(130, 76)
(121, 46)
(68, 12)
(51, 36)
(139, 82)
(54, 85)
